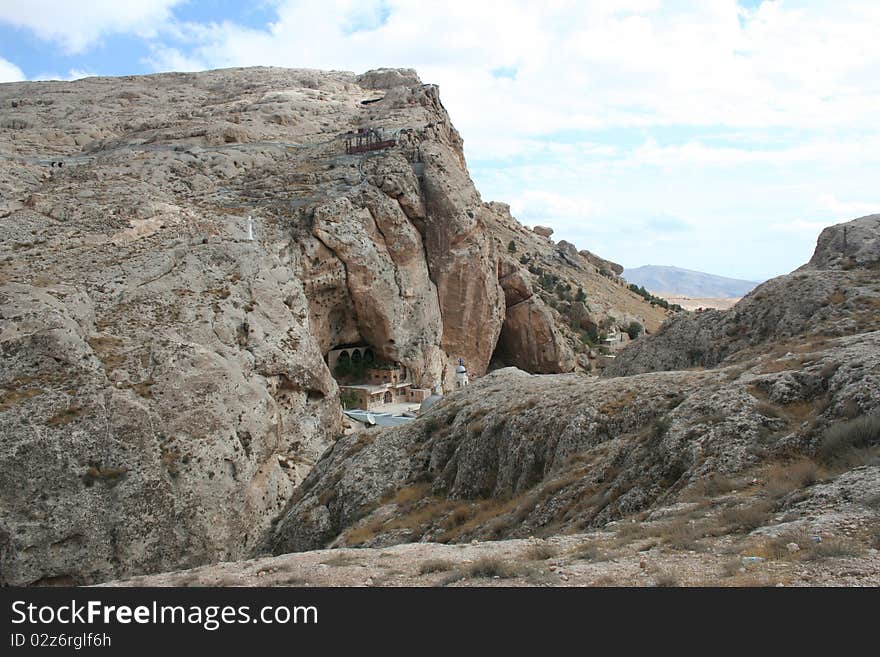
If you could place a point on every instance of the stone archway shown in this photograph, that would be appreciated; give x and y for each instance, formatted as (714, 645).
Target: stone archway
(388, 398)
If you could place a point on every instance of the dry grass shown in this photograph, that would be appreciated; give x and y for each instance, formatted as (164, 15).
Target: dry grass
(767, 409)
(680, 534)
(10, 396)
(491, 567)
(776, 548)
(341, 560)
(748, 517)
(410, 494)
(713, 486)
(750, 579)
(614, 406)
(784, 477)
(65, 417)
(831, 548)
(364, 533)
(845, 444)
(541, 552)
(481, 514)
(666, 580)
(587, 552)
(604, 581)
(783, 364)
(436, 566)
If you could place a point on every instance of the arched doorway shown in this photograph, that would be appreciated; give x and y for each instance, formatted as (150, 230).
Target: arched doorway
(388, 398)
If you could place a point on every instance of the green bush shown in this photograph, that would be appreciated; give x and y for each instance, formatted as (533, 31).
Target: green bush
(511, 246)
(634, 330)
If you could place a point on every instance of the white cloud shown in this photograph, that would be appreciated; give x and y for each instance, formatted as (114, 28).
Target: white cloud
(844, 210)
(76, 25)
(726, 118)
(9, 72)
(583, 64)
(72, 74)
(839, 151)
(540, 205)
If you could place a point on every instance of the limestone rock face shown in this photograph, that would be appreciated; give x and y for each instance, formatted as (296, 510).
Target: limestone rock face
(529, 337)
(141, 430)
(163, 386)
(462, 261)
(543, 231)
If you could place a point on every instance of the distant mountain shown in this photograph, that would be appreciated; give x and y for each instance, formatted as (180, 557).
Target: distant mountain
(674, 280)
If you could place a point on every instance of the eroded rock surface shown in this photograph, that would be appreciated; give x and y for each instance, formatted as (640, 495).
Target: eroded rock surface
(163, 380)
(518, 454)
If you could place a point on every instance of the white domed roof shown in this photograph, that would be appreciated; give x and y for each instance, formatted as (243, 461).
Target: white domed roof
(460, 369)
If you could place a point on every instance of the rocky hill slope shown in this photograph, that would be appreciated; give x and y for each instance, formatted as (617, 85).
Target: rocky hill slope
(163, 386)
(789, 413)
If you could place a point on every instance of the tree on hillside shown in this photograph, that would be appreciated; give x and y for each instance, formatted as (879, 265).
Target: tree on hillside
(634, 330)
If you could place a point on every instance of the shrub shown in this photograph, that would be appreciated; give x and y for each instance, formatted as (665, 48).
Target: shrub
(832, 548)
(634, 330)
(681, 535)
(431, 425)
(511, 247)
(746, 518)
(491, 567)
(842, 440)
(436, 566)
(541, 552)
(348, 399)
(666, 580)
(715, 485)
(587, 552)
(581, 295)
(661, 427)
(782, 478)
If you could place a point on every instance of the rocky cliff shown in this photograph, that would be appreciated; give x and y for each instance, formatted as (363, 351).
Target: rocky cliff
(792, 398)
(163, 380)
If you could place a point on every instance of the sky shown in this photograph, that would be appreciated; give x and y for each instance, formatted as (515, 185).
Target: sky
(715, 135)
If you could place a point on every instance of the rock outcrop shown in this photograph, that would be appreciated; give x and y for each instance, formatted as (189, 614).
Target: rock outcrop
(854, 244)
(601, 263)
(164, 384)
(516, 454)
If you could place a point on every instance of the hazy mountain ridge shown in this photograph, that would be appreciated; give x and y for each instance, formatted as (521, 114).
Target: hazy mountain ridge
(668, 279)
